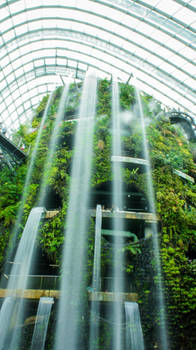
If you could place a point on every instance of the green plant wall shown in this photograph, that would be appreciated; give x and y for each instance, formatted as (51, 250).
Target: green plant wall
(175, 199)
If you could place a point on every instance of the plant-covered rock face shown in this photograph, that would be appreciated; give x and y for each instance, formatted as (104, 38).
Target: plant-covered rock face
(175, 198)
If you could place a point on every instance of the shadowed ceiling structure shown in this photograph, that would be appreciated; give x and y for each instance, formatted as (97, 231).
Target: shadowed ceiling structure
(150, 43)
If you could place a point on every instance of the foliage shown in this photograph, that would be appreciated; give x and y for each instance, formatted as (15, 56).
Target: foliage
(175, 201)
(127, 96)
(11, 186)
(176, 206)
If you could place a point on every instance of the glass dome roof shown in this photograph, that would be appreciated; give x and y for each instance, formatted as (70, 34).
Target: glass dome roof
(43, 42)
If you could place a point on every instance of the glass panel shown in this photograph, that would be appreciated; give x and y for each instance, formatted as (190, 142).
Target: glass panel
(170, 8)
(28, 67)
(34, 25)
(26, 104)
(5, 24)
(20, 110)
(35, 100)
(39, 63)
(102, 38)
(21, 29)
(11, 108)
(185, 15)
(4, 12)
(17, 73)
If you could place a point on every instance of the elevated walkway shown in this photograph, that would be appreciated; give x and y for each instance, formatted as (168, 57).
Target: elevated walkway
(130, 160)
(10, 151)
(183, 175)
(129, 215)
(106, 213)
(188, 122)
(34, 294)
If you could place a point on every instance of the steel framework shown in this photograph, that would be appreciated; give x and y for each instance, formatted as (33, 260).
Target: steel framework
(41, 43)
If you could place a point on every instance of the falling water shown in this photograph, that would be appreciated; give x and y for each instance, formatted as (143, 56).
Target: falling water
(18, 281)
(71, 304)
(117, 204)
(6, 312)
(159, 284)
(134, 334)
(94, 324)
(41, 325)
(27, 181)
(54, 140)
(97, 250)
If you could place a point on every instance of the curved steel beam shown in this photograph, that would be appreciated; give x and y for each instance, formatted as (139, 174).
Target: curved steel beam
(68, 67)
(123, 55)
(156, 10)
(187, 122)
(127, 52)
(101, 60)
(123, 9)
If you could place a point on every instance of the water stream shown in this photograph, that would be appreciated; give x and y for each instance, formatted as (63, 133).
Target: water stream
(117, 203)
(73, 296)
(134, 334)
(154, 229)
(95, 305)
(41, 325)
(73, 285)
(54, 141)
(18, 281)
(30, 169)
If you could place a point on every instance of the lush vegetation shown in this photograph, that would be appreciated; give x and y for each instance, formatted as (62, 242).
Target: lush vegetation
(175, 200)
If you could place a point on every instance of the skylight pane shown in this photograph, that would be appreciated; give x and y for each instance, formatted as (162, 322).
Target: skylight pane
(26, 104)
(18, 72)
(110, 47)
(171, 7)
(20, 110)
(4, 13)
(6, 24)
(16, 6)
(185, 15)
(21, 29)
(39, 63)
(11, 108)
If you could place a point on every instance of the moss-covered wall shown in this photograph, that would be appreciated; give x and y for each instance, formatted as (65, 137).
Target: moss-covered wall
(175, 200)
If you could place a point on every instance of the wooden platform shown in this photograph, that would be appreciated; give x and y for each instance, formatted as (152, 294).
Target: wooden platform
(183, 175)
(34, 294)
(148, 217)
(133, 215)
(112, 297)
(11, 148)
(122, 159)
(51, 213)
(30, 293)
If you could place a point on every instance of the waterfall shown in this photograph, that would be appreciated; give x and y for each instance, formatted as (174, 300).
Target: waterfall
(54, 140)
(71, 315)
(41, 325)
(97, 251)
(94, 313)
(18, 282)
(28, 181)
(154, 228)
(71, 304)
(117, 204)
(134, 335)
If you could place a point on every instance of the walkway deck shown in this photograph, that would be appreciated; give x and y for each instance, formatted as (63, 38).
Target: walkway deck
(93, 296)
(149, 217)
(9, 147)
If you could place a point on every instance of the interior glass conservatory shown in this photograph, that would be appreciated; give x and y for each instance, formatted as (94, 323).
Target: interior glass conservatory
(42, 43)
(97, 175)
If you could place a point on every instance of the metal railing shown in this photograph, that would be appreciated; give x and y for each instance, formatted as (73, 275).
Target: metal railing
(52, 282)
(48, 282)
